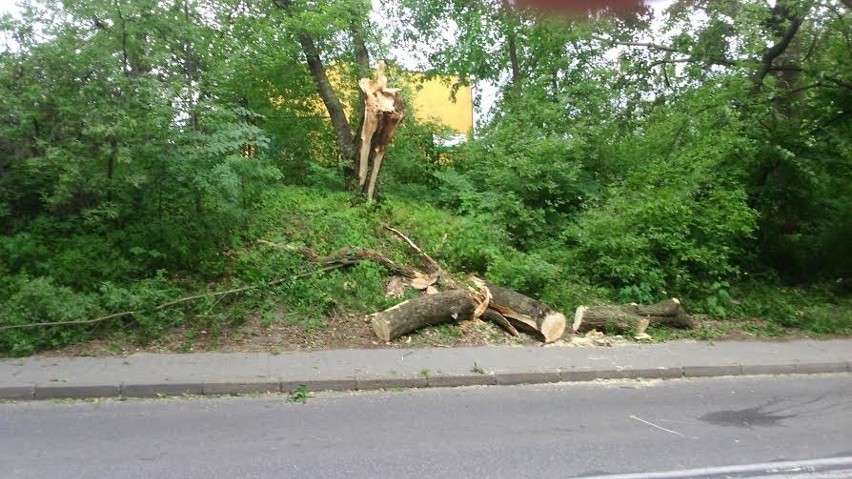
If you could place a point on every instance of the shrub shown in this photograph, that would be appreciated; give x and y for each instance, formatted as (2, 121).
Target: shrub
(40, 300)
(527, 273)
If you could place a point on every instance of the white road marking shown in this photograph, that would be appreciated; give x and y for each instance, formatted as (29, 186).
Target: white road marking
(831, 468)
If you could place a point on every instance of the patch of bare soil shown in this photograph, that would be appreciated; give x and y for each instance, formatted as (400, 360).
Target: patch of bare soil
(345, 332)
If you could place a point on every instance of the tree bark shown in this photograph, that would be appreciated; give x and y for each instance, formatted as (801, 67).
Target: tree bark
(500, 320)
(512, 44)
(362, 61)
(782, 14)
(527, 314)
(336, 113)
(428, 310)
(632, 316)
(513, 57)
(380, 118)
(356, 29)
(349, 256)
(339, 122)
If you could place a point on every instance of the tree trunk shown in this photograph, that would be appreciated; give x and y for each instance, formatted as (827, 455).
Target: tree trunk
(362, 61)
(381, 116)
(511, 23)
(527, 314)
(632, 316)
(513, 57)
(356, 29)
(329, 97)
(784, 22)
(428, 310)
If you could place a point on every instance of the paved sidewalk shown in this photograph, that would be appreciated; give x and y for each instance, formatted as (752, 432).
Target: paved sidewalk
(151, 375)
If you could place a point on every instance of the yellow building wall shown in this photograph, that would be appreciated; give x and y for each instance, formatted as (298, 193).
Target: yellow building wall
(431, 100)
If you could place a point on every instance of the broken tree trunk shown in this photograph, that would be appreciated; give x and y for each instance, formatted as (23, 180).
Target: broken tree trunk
(429, 310)
(632, 316)
(499, 320)
(382, 114)
(527, 314)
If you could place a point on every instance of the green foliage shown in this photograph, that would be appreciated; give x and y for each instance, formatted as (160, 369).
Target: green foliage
(414, 160)
(42, 300)
(718, 301)
(819, 309)
(447, 333)
(299, 395)
(145, 147)
(679, 218)
(524, 272)
(523, 174)
(642, 293)
(462, 243)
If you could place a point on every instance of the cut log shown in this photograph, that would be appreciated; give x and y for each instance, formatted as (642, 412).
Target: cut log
(428, 310)
(632, 316)
(527, 314)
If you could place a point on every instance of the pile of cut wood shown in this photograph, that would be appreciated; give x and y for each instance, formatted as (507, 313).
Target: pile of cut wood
(516, 313)
(445, 300)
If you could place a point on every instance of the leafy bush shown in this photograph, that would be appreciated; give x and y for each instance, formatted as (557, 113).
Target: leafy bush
(680, 218)
(819, 309)
(37, 300)
(524, 272)
(41, 300)
(662, 240)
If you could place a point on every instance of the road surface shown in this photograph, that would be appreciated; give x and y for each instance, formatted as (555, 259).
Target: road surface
(562, 430)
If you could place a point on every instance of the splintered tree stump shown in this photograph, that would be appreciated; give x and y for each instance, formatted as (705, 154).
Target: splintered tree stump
(527, 314)
(380, 118)
(632, 316)
(429, 310)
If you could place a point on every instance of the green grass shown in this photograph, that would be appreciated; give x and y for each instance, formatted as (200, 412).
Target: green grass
(815, 310)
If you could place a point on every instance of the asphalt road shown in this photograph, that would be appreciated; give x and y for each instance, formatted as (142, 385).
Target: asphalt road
(562, 430)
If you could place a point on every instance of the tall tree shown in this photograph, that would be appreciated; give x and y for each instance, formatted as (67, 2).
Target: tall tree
(333, 35)
(111, 119)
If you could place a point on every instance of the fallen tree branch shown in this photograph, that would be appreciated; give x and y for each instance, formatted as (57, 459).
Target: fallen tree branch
(68, 323)
(171, 303)
(430, 262)
(339, 259)
(432, 266)
(349, 256)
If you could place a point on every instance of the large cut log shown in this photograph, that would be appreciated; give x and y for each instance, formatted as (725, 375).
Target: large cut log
(632, 316)
(428, 310)
(527, 314)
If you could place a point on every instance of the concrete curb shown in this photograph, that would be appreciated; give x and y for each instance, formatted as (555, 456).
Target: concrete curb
(488, 378)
